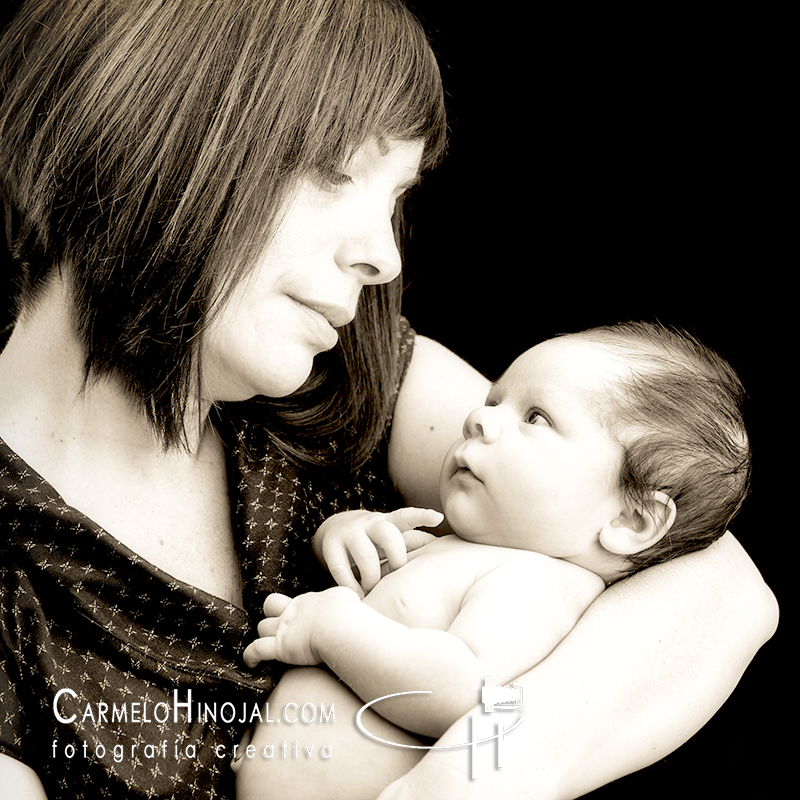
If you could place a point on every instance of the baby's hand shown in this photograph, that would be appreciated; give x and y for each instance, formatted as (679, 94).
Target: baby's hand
(363, 538)
(288, 631)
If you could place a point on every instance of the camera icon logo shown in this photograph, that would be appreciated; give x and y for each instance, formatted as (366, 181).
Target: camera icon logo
(502, 697)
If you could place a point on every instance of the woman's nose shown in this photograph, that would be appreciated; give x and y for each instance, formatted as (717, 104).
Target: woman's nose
(482, 423)
(371, 251)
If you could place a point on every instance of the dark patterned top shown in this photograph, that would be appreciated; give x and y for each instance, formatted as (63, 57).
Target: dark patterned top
(101, 651)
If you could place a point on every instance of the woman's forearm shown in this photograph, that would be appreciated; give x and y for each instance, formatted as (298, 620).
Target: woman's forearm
(19, 780)
(647, 665)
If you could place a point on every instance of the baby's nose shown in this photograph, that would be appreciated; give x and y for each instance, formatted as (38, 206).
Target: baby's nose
(481, 424)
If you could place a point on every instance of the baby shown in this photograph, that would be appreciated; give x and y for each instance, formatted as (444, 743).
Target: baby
(596, 454)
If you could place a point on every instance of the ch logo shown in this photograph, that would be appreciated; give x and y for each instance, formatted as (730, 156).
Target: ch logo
(493, 697)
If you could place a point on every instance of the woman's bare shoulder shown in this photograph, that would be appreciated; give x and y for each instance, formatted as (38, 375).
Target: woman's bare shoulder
(438, 392)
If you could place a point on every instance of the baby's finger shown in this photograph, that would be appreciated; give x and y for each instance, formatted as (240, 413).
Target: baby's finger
(260, 650)
(268, 626)
(337, 558)
(365, 557)
(407, 518)
(387, 536)
(417, 539)
(276, 604)
(343, 574)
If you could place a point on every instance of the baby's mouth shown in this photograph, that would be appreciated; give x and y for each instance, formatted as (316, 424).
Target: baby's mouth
(463, 468)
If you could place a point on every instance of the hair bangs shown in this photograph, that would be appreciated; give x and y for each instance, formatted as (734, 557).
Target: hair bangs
(379, 81)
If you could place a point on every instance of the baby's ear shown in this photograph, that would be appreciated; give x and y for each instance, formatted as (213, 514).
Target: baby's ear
(633, 531)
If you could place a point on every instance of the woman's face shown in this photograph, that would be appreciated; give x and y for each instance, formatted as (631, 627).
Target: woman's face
(333, 239)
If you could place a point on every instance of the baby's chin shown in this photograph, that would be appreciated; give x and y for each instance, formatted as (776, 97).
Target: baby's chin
(464, 527)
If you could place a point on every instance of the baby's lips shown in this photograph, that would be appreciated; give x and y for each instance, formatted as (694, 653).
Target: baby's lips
(460, 459)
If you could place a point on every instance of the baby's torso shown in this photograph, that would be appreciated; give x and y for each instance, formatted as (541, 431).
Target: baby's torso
(428, 591)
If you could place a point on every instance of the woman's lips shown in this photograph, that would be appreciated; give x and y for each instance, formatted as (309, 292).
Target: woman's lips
(336, 316)
(323, 319)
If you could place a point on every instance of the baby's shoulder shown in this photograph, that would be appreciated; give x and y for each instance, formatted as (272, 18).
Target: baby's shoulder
(493, 557)
(522, 571)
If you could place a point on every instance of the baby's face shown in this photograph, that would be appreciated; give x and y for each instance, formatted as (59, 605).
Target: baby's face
(536, 469)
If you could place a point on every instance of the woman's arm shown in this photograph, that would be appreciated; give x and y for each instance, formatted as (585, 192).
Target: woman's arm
(644, 669)
(647, 665)
(19, 780)
(438, 392)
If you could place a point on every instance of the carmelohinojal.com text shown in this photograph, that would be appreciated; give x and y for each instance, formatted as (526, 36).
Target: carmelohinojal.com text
(67, 710)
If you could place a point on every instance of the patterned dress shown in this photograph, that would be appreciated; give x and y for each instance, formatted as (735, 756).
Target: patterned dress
(116, 679)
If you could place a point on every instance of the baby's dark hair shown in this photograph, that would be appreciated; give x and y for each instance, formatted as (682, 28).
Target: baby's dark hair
(679, 416)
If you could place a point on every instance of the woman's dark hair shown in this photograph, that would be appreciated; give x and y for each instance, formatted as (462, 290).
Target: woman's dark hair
(147, 149)
(677, 410)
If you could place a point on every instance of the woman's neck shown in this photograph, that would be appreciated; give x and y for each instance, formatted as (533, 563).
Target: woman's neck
(97, 450)
(45, 402)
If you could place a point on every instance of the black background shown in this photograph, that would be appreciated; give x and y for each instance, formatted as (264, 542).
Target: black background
(603, 169)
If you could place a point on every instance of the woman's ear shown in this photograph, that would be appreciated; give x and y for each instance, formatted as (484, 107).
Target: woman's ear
(634, 531)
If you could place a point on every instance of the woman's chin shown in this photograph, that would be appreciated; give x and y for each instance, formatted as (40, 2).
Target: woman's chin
(233, 388)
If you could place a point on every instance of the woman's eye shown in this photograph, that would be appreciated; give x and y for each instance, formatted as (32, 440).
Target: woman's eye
(339, 179)
(331, 179)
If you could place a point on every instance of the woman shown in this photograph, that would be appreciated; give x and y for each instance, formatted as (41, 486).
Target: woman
(199, 198)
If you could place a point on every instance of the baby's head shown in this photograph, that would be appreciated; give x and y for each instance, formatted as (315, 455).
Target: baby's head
(615, 448)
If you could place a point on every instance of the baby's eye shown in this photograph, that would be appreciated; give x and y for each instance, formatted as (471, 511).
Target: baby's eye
(535, 416)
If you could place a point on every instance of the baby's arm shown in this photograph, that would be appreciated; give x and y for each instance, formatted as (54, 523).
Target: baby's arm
(510, 619)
